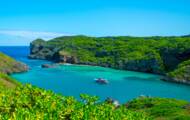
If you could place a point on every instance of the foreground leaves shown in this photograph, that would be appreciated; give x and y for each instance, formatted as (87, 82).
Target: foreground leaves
(28, 102)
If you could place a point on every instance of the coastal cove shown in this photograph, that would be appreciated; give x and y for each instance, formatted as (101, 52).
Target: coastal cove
(72, 80)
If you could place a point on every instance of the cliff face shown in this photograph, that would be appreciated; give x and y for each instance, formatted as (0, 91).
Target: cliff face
(150, 54)
(39, 50)
(9, 65)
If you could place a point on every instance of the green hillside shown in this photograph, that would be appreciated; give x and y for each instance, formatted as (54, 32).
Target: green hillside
(8, 65)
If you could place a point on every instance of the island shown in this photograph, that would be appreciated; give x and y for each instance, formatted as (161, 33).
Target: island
(167, 56)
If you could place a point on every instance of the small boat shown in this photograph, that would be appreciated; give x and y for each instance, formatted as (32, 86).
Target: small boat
(101, 81)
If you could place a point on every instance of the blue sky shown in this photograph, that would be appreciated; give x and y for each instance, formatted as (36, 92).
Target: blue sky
(24, 20)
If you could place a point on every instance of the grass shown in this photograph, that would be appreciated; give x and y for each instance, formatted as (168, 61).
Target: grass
(7, 81)
(9, 65)
(161, 108)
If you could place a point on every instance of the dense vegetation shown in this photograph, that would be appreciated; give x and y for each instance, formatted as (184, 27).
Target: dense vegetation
(147, 54)
(28, 102)
(161, 108)
(7, 82)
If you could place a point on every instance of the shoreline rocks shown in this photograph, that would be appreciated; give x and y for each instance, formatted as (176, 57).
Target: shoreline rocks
(175, 80)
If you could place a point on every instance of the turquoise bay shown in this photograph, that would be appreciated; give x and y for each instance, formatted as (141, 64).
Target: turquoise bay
(124, 85)
(72, 80)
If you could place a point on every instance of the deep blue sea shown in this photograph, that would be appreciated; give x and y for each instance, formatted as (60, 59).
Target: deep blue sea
(72, 80)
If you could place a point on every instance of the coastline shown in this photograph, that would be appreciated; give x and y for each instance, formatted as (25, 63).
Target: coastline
(163, 77)
(175, 80)
(160, 56)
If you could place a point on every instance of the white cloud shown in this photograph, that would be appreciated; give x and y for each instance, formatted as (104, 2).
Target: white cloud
(32, 34)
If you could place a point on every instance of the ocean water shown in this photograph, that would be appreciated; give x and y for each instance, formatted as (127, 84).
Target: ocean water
(72, 80)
